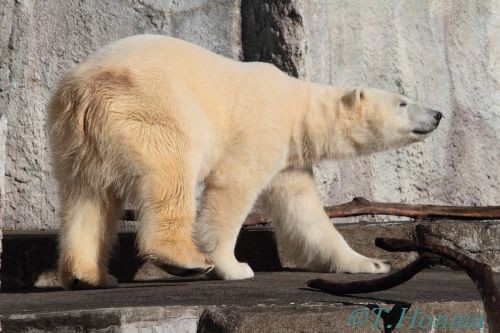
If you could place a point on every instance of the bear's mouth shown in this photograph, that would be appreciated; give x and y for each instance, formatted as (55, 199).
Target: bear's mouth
(422, 131)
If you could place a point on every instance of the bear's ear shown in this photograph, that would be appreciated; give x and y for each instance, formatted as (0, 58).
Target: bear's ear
(354, 98)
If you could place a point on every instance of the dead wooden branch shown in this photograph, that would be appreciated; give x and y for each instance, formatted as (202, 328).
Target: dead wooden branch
(361, 206)
(479, 272)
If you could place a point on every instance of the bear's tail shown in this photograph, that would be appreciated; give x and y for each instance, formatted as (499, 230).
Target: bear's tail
(72, 108)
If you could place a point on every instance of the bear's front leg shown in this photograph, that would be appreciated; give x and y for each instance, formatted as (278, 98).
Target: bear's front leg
(304, 229)
(228, 197)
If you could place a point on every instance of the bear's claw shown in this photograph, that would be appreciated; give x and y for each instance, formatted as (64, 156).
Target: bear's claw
(180, 271)
(80, 284)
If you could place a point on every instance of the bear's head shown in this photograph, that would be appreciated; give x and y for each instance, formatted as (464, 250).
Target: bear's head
(377, 120)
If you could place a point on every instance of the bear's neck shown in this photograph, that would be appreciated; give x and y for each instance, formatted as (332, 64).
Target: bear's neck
(321, 133)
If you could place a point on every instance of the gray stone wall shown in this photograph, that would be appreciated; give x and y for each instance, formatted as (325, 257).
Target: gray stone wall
(444, 54)
(40, 40)
(3, 139)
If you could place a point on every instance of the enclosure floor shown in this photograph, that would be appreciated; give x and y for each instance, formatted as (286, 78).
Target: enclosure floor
(267, 288)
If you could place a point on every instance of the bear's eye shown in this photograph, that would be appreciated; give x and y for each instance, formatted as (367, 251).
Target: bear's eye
(402, 104)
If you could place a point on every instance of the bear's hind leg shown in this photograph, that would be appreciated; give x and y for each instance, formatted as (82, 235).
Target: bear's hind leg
(167, 213)
(303, 227)
(88, 231)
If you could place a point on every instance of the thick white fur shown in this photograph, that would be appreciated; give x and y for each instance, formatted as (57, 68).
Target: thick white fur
(303, 228)
(149, 117)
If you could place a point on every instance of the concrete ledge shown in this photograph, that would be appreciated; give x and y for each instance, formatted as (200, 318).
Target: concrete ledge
(220, 319)
(335, 318)
(29, 260)
(271, 302)
(143, 319)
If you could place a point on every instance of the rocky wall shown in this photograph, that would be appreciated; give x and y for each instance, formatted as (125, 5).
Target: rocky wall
(443, 54)
(40, 40)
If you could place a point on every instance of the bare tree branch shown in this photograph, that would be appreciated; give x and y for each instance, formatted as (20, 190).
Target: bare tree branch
(362, 206)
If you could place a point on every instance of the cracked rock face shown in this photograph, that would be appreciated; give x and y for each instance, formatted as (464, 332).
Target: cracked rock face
(272, 31)
(40, 40)
(3, 139)
(443, 54)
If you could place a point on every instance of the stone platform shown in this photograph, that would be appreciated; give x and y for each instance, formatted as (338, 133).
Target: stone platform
(270, 302)
(276, 300)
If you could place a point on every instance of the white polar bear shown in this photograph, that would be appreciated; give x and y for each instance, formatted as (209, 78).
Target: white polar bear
(149, 117)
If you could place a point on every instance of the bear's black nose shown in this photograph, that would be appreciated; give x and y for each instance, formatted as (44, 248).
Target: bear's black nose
(438, 116)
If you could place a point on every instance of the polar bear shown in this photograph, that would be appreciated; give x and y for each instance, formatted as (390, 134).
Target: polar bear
(149, 117)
